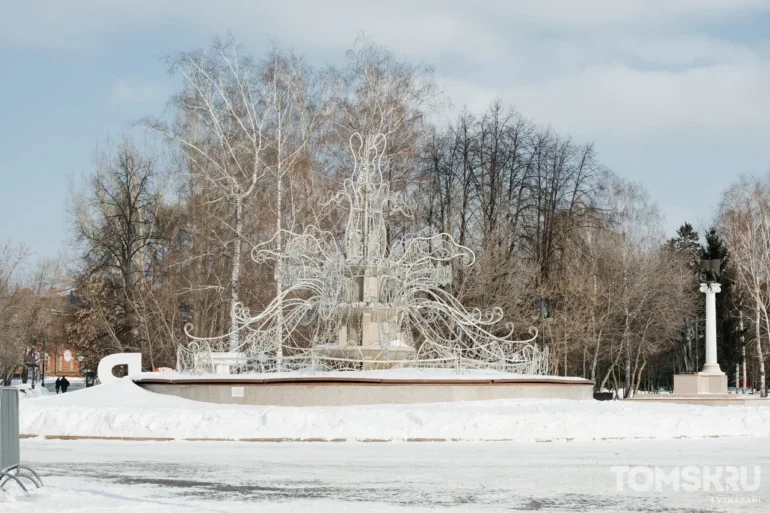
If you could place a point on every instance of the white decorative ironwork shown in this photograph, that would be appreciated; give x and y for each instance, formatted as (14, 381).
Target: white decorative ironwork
(364, 301)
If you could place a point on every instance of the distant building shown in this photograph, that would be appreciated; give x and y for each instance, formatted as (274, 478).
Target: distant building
(51, 350)
(60, 358)
(62, 362)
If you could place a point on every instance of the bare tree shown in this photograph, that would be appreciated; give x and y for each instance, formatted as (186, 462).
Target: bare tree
(28, 297)
(296, 108)
(222, 115)
(13, 258)
(744, 218)
(114, 218)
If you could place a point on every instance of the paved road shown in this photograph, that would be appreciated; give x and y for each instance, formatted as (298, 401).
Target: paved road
(88, 476)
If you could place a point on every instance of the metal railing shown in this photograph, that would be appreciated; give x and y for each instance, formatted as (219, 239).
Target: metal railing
(11, 468)
(196, 359)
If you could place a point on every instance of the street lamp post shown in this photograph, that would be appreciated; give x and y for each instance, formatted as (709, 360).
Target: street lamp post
(45, 360)
(31, 365)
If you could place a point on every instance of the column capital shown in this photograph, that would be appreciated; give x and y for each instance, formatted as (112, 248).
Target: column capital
(714, 288)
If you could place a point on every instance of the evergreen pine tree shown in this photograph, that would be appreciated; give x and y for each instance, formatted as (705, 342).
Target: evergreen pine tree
(687, 241)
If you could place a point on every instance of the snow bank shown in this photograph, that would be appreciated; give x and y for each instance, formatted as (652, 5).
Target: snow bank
(120, 393)
(27, 391)
(122, 409)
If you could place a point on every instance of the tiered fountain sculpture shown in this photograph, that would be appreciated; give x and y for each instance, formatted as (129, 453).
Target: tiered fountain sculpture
(364, 301)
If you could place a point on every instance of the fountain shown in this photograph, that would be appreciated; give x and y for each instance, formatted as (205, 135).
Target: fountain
(365, 301)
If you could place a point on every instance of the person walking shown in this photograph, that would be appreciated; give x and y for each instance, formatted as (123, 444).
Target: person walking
(58, 384)
(65, 383)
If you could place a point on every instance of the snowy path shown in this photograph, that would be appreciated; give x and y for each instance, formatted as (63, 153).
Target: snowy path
(219, 477)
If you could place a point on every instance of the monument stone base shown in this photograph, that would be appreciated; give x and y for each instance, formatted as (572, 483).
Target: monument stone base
(702, 389)
(701, 383)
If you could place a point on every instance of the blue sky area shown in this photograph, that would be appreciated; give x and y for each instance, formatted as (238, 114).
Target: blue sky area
(674, 94)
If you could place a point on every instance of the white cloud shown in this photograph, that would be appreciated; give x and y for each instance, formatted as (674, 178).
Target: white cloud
(623, 69)
(686, 50)
(620, 103)
(133, 92)
(417, 27)
(636, 76)
(597, 13)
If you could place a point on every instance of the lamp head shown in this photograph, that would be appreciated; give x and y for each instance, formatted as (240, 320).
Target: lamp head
(711, 269)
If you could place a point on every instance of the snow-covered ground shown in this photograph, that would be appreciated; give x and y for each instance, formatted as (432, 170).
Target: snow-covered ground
(572, 472)
(227, 477)
(122, 409)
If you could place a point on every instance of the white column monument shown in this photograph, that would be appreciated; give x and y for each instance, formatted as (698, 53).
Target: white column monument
(711, 367)
(711, 380)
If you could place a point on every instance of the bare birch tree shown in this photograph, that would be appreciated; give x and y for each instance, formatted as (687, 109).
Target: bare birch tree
(745, 221)
(223, 108)
(296, 107)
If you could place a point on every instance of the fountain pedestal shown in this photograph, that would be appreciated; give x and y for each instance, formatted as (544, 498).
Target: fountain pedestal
(368, 328)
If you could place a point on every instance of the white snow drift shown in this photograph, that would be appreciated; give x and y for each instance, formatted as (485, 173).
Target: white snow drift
(122, 409)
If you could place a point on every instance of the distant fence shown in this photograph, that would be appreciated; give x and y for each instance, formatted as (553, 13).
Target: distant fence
(11, 468)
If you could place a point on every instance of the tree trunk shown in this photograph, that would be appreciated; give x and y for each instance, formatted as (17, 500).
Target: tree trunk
(279, 270)
(760, 356)
(762, 382)
(597, 336)
(626, 328)
(743, 353)
(611, 370)
(565, 356)
(235, 277)
(639, 376)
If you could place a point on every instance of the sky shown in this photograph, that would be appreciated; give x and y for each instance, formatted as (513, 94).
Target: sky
(674, 94)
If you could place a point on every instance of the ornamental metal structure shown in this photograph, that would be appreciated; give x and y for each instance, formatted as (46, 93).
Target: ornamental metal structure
(362, 302)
